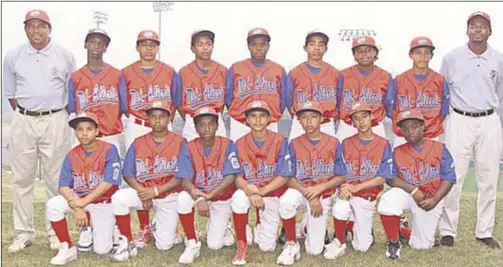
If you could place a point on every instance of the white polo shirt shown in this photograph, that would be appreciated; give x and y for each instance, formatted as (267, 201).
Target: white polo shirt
(38, 79)
(475, 81)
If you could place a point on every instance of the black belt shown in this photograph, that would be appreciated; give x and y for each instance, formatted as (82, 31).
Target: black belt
(36, 113)
(474, 114)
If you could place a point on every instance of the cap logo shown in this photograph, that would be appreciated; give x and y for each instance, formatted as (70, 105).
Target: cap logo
(256, 31)
(406, 114)
(361, 40)
(35, 13)
(355, 106)
(256, 104)
(157, 104)
(422, 41)
(204, 110)
(479, 13)
(148, 34)
(83, 115)
(308, 105)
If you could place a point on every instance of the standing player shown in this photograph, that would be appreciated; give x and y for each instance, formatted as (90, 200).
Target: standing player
(147, 80)
(366, 83)
(367, 161)
(314, 157)
(150, 166)
(202, 84)
(209, 185)
(314, 80)
(424, 172)
(421, 88)
(99, 88)
(89, 176)
(264, 157)
(253, 79)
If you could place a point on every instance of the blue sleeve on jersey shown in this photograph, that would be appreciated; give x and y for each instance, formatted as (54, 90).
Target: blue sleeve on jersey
(389, 98)
(113, 167)
(229, 88)
(129, 167)
(284, 92)
(339, 92)
(65, 176)
(123, 95)
(289, 94)
(231, 163)
(292, 161)
(177, 92)
(394, 167)
(385, 170)
(72, 106)
(444, 111)
(282, 168)
(184, 168)
(338, 159)
(447, 172)
(175, 88)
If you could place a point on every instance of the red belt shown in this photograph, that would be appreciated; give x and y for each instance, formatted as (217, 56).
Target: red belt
(142, 122)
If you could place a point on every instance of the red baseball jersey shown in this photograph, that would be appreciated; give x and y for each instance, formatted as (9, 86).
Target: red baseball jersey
(421, 169)
(260, 163)
(88, 172)
(320, 87)
(99, 93)
(143, 87)
(256, 83)
(369, 89)
(425, 96)
(363, 162)
(209, 169)
(156, 164)
(203, 90)
(315, 164)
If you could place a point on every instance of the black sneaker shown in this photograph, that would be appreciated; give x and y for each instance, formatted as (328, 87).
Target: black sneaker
(393, 250)
(447, 241)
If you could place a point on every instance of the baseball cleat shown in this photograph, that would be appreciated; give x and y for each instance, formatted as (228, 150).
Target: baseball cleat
(229, 236)
(334, 249)
(143, 237)
(65, 254)
(241, 253)
(20, 243)
(393, 250)
(191, 252)
(54, 242)
(124, 250)
(86, 239)
(290, 254)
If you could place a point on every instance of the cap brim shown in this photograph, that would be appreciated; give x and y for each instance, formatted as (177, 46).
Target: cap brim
(298, 112)
(321, 34)
(100, 34)
(359, 45)
(479, 15)
(399, 123)
(257, 109)
(362, 110)
(148, 39)
(249, 39)
(75, 121)
(207, 33)
(37, 19)
(152, 109)
(206, 114)
(419, 46)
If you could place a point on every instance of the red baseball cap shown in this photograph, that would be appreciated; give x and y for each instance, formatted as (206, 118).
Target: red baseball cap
(309, 106)
(257, 105)
(198, 33)
(83, 116)
(364, 40)
(205, 111)
(411, 114)
(258, 32)
(421, 41)
(317, 33)
(37, 14)
(98, 32)
(148, 35)
(359, 106)
(159, 105)
(480, 14)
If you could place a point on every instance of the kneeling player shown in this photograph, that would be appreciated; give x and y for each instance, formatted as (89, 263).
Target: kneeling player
(425, 174)
(89, 176)
(150, 166)
(367, 164)
(264, 158)
(209, 186)
(313, 158)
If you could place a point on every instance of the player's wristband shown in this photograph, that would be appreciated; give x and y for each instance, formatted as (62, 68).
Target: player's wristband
(199, 199)
(414, 191)
(156, 191)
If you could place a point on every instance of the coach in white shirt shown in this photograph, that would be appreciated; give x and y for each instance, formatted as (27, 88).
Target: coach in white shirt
(474, 72)
(35, 81)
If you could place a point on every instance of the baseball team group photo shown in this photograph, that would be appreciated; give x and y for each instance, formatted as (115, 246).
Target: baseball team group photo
(251, 161)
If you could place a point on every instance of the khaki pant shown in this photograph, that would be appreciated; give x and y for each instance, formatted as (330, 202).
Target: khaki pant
(48, 136)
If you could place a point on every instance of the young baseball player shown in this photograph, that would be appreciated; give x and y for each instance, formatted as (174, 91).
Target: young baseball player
(313, 158)
(91, 173)
(366, 83)
(264, 157)
(147, 80)
(420, 88)
(314, 80)
(367, 161)
(424, 171)
(252, 79)
(202, 84)
(208, 184)
(151, 163)
(99, 88)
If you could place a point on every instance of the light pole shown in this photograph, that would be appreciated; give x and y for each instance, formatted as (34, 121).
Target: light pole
(161, 7)
(100, 18)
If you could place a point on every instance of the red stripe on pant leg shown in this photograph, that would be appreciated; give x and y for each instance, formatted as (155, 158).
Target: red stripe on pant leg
(187, 221)
(61, 230)
(289, 225)
(240, 222)
(391, 226)
(124, 224)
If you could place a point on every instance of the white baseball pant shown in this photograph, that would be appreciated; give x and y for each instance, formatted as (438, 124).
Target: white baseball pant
(134, 130)
(424, 223)
(345, 130)
(220, 214)
(166, 217)
(102, 221)
(290, 202)
(296, 130)
(189, 130)
(362, 212)
(238, 129)
(479, 139)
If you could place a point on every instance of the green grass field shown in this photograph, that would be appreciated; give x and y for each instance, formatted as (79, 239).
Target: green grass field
(467, 251)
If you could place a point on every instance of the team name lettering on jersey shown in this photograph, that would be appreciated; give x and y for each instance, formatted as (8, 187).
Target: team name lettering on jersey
(83, 187)
(101, 95)
(302, 96)
(261, 85)
(321, 93)
(211, 94)
(366, 95)
(425, 101)
(213, 179)
(265, 172)
(427, 173)
(160, 167)
(155, 92)
(319, 169)
(367, 170)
